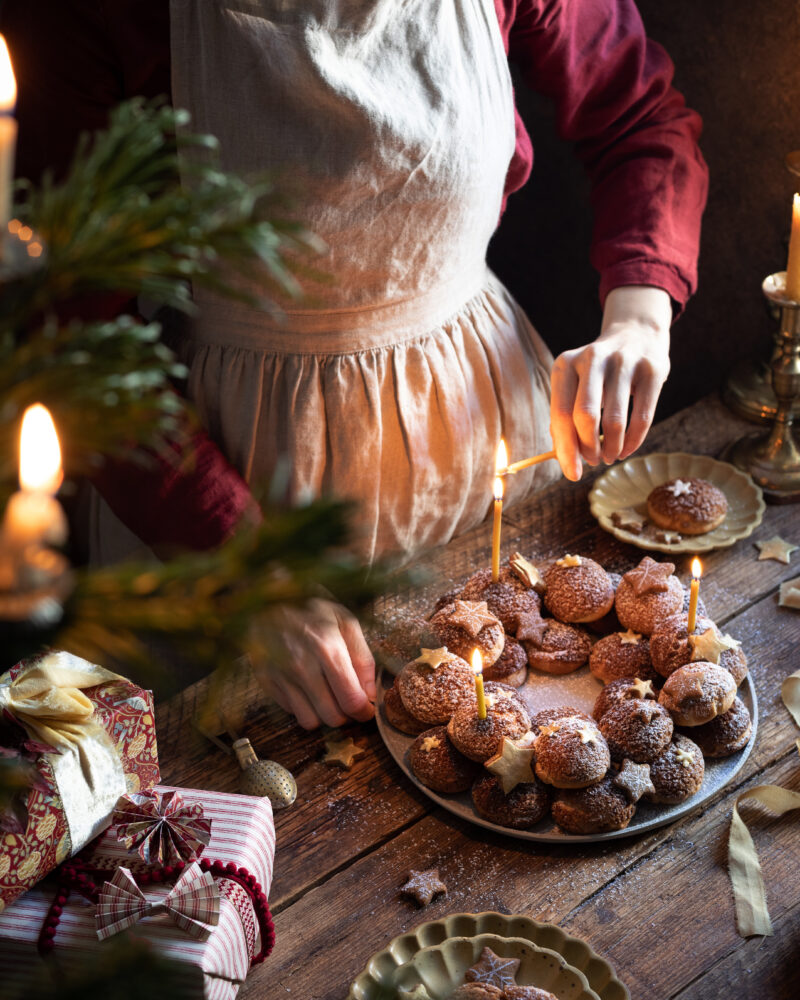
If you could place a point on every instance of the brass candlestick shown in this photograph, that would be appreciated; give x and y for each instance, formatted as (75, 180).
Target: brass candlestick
(773, 458)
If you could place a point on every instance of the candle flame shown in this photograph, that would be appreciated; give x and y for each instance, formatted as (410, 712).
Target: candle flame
(39, 451)
(8, 85)
(477, 662)
(697, 568)
(498, 488)
(501, 457)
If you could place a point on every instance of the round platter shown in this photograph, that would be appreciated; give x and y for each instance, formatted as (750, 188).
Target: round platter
(375, 982)
(579, 689)
(625, 487)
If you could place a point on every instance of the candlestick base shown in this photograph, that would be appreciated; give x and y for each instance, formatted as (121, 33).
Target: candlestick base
(773, 459)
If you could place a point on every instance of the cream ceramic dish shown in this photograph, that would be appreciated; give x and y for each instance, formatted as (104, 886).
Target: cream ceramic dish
(626, 486)
(375, 981)
(442, 967)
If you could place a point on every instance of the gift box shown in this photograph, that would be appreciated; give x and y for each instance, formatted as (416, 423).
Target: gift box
(238, 859)
(91, 735)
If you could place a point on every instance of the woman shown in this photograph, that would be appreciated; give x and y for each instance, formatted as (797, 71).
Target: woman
(393, 383)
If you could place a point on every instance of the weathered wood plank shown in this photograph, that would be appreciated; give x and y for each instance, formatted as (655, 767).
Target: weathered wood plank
(671, 917)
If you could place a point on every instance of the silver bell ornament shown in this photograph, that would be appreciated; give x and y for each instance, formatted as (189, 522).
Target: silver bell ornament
(264, 777)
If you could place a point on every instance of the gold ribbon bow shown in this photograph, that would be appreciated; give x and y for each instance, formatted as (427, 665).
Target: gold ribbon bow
(192, 903)
(749, 895)
(46, 697)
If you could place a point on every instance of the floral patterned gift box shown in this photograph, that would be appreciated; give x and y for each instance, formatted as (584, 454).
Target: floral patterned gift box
(85, 736)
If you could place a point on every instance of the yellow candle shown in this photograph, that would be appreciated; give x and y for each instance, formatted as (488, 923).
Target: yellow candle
(33, 516)
(8, 132)
(500, 462)
(793, 263)
(694, 592)
(477, 667)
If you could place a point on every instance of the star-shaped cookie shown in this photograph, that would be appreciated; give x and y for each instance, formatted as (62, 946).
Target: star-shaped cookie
(430, 743)
(634, 780)
(569, 560)
(493, 969)
(710, 645)
(527, 572)
(342, 752)
(668, 537)
(531, 627)
(629, 520)
(684, 757)
(588, 734)
(642, 688)
(512, 765)
(424, 886)
(680, 488)
(629, 637)
(775, 548)
(650, 577)
(551, 729)
(434, 658)
(646, 711)
(790, 594)
(472, 616)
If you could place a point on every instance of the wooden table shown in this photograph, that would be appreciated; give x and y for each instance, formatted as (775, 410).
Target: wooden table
(658, 905)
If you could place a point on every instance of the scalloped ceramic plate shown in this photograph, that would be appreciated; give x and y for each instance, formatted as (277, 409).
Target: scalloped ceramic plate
(442, 967)
(627, 485)
(375, 981)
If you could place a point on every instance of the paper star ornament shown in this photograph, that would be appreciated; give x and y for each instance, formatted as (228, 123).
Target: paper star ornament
(634, 780)
(684, 757)
(650, 577)
(434, 658)
(775, 548)
(342, 752)
(680, 488)
(568, 561)
(493, 969)
(629, 638)
(424, 886)
(162, 827)
(531, 627)
(512, 765)
(710, 645)
(642, 688)
(790, 594)
(526, 572)
(472, 616)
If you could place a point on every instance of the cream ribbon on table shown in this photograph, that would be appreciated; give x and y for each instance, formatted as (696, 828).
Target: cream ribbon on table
(47, 699)
(752, 915)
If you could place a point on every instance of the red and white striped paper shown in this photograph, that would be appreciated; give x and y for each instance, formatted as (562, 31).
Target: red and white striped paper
(242, 832)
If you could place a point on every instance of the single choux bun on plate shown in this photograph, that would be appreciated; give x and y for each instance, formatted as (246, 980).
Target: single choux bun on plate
(697, 693)
(691, 506)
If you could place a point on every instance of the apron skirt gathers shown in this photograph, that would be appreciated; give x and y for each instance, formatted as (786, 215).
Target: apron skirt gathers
(391, 125)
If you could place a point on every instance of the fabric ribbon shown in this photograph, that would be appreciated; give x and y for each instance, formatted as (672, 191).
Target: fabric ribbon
(46, 698)
(192, 903)
(752, 914)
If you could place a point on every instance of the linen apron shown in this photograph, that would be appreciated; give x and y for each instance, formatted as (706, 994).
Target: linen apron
(391, 122)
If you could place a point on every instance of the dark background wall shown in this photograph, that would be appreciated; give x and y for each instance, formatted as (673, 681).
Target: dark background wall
(738, 63)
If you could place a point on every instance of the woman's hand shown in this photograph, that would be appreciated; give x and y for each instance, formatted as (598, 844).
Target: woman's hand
(321, 670)
(592, 386)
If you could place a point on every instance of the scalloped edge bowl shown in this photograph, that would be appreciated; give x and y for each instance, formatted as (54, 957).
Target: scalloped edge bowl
(442, 967)
(629, 483)
(373, 982)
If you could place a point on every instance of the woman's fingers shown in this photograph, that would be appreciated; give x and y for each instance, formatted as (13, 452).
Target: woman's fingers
(563, 389)
(645, 390)
(330, 652)
(360, 655)
(616, 399)
(590, 366)
(292, 700)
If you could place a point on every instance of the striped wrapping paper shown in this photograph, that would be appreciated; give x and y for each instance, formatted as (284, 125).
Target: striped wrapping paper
(242, 831)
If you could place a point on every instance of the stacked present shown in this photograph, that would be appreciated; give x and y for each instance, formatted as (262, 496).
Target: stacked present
(184, 869)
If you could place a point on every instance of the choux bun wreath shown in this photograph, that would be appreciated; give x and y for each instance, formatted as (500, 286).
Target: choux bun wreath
(588, 772)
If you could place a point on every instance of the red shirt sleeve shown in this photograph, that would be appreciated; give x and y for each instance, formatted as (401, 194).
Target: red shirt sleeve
(613, 95)
(74, 61)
